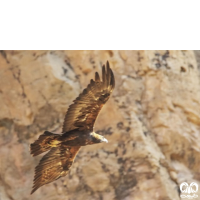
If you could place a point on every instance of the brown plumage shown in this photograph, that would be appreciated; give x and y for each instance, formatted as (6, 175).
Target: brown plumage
(77, 131)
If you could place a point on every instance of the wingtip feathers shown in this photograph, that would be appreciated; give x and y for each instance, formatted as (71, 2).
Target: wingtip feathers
(97, 78)
(108, 76)
(112, 81)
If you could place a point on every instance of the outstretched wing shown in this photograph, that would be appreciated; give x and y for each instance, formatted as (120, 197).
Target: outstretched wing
(83, 112)
(53, 165)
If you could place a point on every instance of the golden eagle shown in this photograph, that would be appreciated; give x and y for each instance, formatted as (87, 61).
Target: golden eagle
(77, 131)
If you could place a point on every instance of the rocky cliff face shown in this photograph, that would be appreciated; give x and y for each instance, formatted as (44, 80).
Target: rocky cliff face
(152, 122)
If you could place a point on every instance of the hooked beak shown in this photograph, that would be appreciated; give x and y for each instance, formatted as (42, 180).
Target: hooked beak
(105, 140)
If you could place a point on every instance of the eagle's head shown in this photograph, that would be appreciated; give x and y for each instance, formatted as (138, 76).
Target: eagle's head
(96, 138)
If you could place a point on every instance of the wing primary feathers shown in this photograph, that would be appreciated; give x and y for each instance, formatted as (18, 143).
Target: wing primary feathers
(112, 81)
(108, 75)
(103, 74)
(107, 64)
(83, 112)
(91, 81)
(97, 78)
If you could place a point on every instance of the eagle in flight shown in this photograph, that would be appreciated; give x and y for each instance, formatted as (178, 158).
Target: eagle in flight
(77, 131)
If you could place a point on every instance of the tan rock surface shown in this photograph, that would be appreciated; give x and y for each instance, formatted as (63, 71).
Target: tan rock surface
(152, 122)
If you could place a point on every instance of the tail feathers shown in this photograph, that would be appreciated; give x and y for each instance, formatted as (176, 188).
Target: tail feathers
(44, 143)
